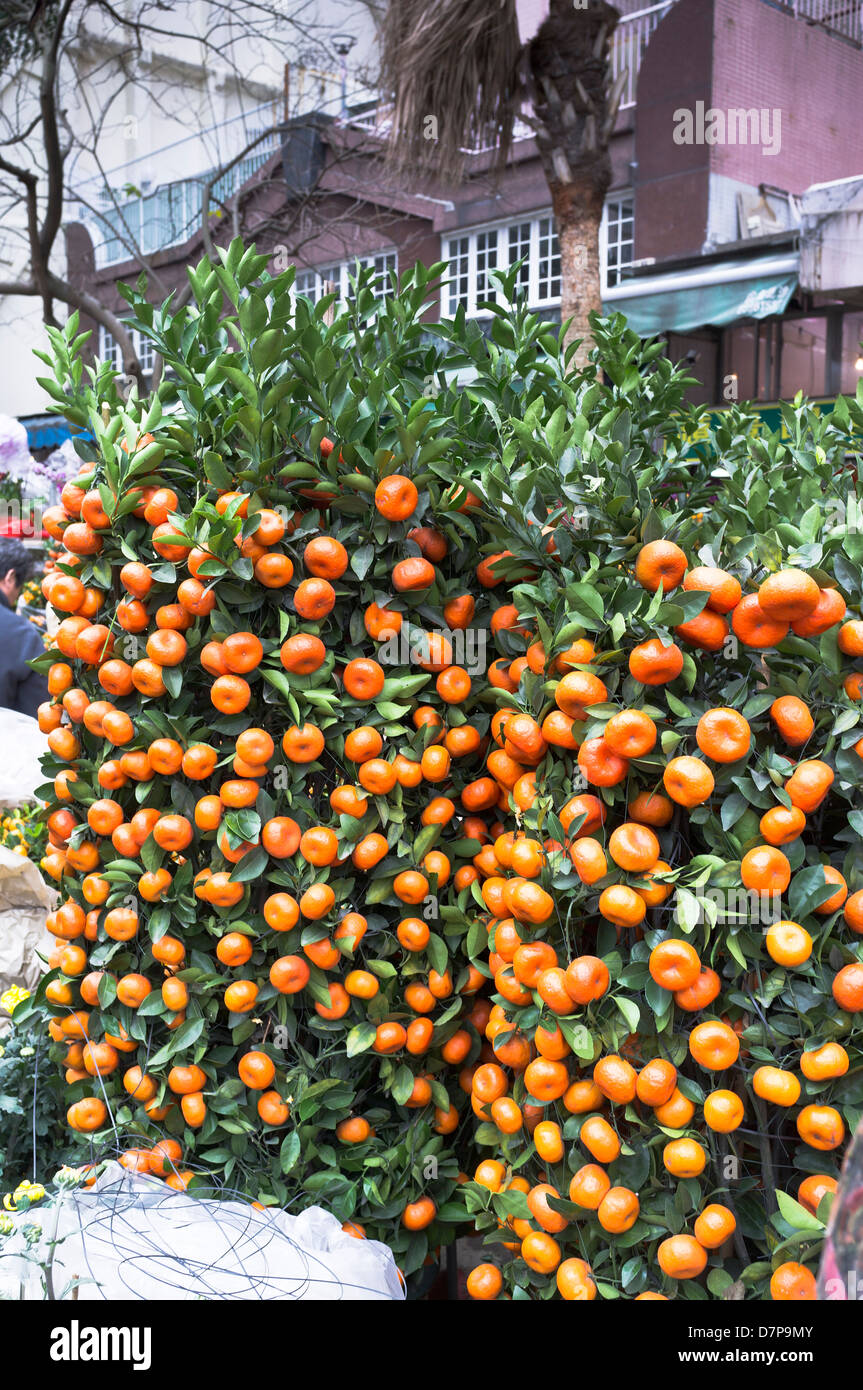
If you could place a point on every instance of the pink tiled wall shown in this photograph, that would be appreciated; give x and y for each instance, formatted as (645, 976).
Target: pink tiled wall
(764, 58)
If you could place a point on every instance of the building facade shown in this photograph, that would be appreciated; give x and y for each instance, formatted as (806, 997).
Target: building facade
(729, 228)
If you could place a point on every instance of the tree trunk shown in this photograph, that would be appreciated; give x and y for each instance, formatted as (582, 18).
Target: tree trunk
(573, 117)
(578, 214)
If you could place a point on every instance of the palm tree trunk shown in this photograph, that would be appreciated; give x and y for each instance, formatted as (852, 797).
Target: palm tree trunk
(574, 110)
(461, 58)
(577, 209)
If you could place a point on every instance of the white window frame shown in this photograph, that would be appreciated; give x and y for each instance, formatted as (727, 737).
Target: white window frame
(109, 350)
(491, 242)
(311, 281)
(616, 199)
(465, 250)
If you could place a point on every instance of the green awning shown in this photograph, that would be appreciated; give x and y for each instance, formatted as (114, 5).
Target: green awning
(717, 294)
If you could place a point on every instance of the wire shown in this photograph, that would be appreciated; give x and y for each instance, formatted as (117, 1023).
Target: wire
(130, 1237)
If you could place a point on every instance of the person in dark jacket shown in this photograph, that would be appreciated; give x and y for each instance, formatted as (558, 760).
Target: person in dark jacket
(21, 688)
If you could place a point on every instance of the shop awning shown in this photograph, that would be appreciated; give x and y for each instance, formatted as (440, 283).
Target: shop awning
(48, 431)
(718, 294)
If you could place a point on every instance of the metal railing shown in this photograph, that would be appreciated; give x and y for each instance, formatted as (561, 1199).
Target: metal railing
(634, 31)
(628, 45)
(124, 215)
(838, 16)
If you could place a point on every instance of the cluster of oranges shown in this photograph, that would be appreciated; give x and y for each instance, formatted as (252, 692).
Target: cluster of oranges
(193, 908)
(388, 865)
(584, 1117)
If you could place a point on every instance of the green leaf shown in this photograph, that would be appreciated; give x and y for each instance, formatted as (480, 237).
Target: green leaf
(437, 953)
(362, 559)
(630, 1011)
(289, 1152)
(360, 1039)
(403, 1084)
(251, 866)
(151, 854)
(797, 1215)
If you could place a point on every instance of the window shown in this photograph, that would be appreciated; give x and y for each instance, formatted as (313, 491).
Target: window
(458, 251)
(169, 214)
(109, 350)
(803, 359)
(486, 261)
(533, 243)
(519, 250)
(146, 353)
(548, 270)
(474, 255)
(312, 283)
(381, 265)
(617, 238)
(852, 361)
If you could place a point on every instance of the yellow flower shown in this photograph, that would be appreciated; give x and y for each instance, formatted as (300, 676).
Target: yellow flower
(7, 1225)
(32, 1191)
(13, 996)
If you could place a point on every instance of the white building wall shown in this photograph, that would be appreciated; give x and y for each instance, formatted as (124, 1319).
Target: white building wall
(184, 113)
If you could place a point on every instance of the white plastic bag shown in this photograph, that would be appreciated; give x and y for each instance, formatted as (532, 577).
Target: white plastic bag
(22, 744)
(135, 1238)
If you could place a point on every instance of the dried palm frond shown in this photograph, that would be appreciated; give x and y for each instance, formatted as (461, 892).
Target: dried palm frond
(451, 67)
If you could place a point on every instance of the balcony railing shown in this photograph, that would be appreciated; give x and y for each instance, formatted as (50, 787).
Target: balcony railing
(125, 215)
(631, 38)
(838, 16)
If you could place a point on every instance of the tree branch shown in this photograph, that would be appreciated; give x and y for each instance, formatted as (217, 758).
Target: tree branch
(54, 158)
(81, 299)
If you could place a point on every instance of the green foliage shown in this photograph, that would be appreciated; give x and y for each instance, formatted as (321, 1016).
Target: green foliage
(31, 1108)
(558, 477)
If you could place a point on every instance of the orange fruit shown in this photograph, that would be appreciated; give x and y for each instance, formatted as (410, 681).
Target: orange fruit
(674, 964)
(788, 943)
(754, 627)
(688, 781)
(681, 1257)
(813, 1189)
(655, 662)
(684, 1158)
(618, 1210)
(588, 1186)
(723, 588)
(633, 847)
(660, 563)
(714, 1045)
(396, 498)
(793, 720)
(825, 1063)
(809, 784)
(848, 987)
(765, 869)
(821, 1126)
(789, 595)
(723, 1111)
(723, 735)
(631, 733)
(792, 1282)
